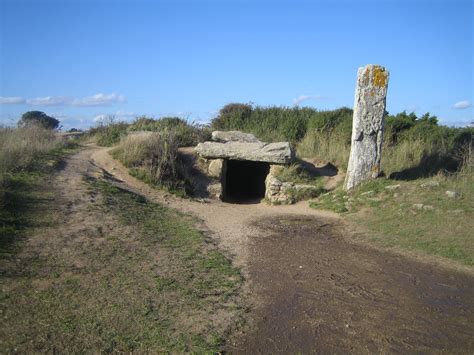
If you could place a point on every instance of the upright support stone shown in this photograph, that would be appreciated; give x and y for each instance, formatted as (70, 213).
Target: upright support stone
(367, 125)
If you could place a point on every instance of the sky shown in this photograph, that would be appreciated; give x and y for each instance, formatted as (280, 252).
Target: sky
(81, 60)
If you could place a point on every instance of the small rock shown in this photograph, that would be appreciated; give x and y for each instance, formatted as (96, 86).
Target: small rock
(428, 207)
(452, 194)
(392, 187)
(418, 205)
(396, 194)
(430, 184)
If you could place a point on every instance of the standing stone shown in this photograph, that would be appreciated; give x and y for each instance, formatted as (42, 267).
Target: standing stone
(367, 125)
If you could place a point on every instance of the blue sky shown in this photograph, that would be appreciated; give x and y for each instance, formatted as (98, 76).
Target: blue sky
(79, 60)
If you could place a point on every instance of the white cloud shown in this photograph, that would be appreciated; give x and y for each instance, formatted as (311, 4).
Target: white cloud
(50, 101)
(124, 114)
(99, 100)
(302, 98)
(411, 108)
(462, 104)
(120, 115)
(11, 100)
(100, 118)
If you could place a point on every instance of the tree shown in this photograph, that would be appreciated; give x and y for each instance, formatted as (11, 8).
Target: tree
(433, 120)
(232, 116)
(38, 118)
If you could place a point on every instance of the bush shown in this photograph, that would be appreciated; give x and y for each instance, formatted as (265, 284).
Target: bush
(232, 116)
(108, 132)
(268, 123)
(38, 118)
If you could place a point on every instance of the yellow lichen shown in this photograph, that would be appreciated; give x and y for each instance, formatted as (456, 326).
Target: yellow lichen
(379, 77)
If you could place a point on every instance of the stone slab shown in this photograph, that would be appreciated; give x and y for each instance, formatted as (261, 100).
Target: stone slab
(276, 153)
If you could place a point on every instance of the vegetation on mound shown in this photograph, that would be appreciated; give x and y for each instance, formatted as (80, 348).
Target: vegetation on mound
(413, 146)
(109, 132)
(186, 134)
(154, 159)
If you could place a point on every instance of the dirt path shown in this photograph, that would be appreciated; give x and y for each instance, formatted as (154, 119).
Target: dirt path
(312, 290)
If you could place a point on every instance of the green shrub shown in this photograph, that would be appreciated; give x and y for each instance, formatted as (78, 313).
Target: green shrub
(267, 123)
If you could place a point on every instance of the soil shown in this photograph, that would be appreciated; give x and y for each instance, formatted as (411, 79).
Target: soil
(310, 288)
(322, 294)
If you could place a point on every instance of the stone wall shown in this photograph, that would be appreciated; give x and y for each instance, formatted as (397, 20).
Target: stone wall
(285, 193)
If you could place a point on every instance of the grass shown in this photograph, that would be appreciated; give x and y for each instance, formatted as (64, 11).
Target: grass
(393, 216)
(20, 148)
(28, 157)
(136, 277)
(109, 132)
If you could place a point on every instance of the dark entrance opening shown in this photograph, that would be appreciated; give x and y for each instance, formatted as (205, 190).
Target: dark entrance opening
(245, 181)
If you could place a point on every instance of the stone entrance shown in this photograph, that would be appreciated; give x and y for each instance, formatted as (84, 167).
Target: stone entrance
(244, 180)
(241, 166)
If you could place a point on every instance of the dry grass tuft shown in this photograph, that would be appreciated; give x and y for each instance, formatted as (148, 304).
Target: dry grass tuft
(20, 146)
(153, 157)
